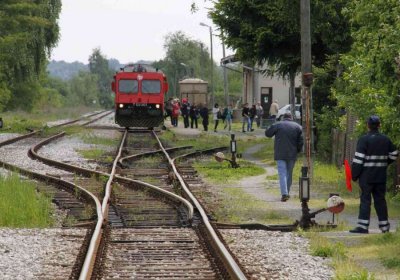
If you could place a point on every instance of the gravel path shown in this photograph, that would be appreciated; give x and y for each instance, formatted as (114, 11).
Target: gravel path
(38, 253)
(276, 255)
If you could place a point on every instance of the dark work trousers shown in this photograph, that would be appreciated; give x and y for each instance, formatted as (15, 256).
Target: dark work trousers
(216, 125)
(205, 124)
(186, 121)
(378, 193)
(193, 121)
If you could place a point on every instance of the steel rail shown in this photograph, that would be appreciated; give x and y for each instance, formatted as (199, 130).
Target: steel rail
(17, 138)
(234, 270)
(133, 157)
(77, 120)
(98, 118)
(90, 258)
(200, 152)
(24, 136)
(33, 153)
(88, 264)
(184, 201)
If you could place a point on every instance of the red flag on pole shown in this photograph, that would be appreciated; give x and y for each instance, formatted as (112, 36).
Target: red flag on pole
(347, 171)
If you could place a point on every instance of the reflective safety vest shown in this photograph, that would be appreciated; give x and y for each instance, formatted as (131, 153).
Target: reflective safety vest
(374, 153)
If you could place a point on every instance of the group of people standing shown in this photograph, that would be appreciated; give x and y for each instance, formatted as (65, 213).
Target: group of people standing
(256, 112)
(174, 108)
(225, 115)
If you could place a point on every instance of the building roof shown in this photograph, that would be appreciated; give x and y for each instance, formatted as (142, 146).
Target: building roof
(193, 81)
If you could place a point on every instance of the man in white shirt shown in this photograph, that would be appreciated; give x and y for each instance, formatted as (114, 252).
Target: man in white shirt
(273, 110)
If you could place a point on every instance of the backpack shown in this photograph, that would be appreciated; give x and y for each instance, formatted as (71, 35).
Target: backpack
(224, 114)
(219, 115)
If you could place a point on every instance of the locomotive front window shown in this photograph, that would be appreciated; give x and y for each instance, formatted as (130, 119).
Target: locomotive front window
(128, 86)
(151, 86)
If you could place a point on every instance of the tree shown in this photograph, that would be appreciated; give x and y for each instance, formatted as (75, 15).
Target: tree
(370, 81)
(84, 89)
(98, 65)
(269, 32)
(29, 30)
(183, 58)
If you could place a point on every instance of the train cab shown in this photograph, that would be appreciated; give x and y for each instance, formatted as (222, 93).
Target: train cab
(139, 96)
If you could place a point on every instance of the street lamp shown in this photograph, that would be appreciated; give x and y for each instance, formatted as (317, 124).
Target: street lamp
(186, 71)
(212, 63)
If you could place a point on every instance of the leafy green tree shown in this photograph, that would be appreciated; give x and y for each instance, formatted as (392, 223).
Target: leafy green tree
(263, 31)
(29, 30)
(190, 58)
(98, 65)
(184, 58)
(83, 89)
(5, 95)
(370, 82)
(58, 84)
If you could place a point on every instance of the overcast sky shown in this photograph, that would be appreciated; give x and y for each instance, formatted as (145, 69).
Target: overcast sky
(128, 30)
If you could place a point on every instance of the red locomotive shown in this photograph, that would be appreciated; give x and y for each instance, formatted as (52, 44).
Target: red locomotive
(139, 96)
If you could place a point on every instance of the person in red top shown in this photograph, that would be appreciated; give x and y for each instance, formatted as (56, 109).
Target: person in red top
(176, 111)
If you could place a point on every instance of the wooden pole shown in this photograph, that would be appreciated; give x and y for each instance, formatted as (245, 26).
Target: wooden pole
(306, 70)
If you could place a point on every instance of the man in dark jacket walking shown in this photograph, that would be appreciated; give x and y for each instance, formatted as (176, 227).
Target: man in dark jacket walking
(204, 116)
(287, 144)
(374, 153)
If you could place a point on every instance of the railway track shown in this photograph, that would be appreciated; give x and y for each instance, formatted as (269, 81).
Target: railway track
(142, 221)
(67, 193)
(119, 212)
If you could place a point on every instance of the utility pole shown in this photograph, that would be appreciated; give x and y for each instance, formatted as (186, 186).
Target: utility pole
(212, 64)
(307, 79)
(212, 70)
(226, 92)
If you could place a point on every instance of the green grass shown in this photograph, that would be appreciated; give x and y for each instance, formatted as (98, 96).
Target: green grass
(321, 247)
(273, 177)
(18, 121)
(91, 138)
(344, 266)
(239, 207)
(101, 151)
(96, 154)
(266, 153)
(21, 206)
(222, 172)
(387, 248)
(205, 141)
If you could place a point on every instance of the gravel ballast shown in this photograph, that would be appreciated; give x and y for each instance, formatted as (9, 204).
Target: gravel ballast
(51, 253)
(276, 255)
(39, 253)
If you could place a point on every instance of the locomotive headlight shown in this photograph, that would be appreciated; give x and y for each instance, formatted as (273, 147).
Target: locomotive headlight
(121, 105)
(158, 106)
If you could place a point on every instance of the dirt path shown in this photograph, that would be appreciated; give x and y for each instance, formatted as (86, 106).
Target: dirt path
(268, 191)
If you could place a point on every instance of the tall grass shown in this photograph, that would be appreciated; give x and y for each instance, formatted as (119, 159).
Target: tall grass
(22, 206)
(222, 172)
